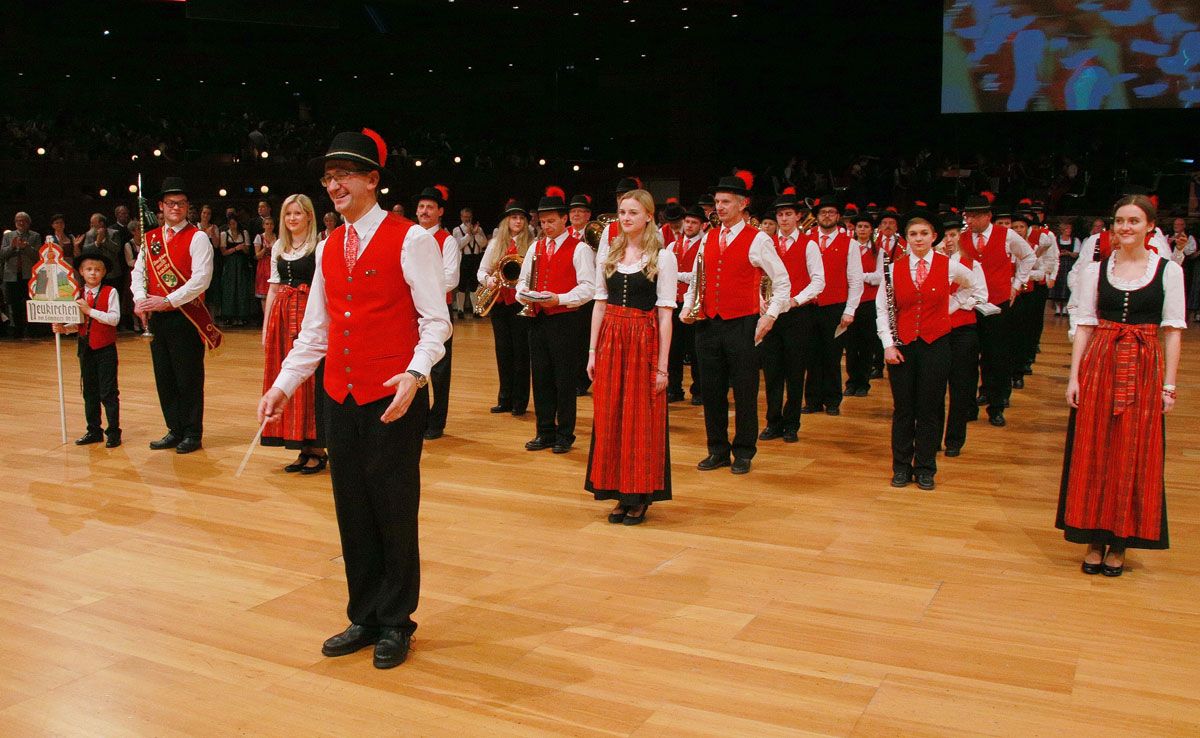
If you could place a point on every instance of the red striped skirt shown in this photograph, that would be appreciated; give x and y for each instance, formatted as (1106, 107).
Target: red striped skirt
(1113, 473)
(297, 427)
(629, 431)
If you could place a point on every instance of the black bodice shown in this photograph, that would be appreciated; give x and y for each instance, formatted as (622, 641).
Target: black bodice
(635, 290)
(1138, 307)
(297, 272)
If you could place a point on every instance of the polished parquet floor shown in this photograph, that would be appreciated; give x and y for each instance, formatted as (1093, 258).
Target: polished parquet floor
(150, 594)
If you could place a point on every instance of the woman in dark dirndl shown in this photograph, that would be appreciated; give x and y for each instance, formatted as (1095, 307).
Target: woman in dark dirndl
(293, 265)
(629, 461)
(1121, 386)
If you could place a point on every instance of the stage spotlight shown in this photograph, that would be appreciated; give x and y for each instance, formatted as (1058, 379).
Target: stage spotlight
(458, 160)
(132, 188)
(103, 192)
(385, 190)
(417, 163)
(41, 151)
(264, 189)
(158, 152)
(575, 168)
(222, 192)
(263, 155)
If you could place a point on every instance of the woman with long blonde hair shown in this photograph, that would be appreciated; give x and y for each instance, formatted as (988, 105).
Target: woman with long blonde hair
(629, 461)
(293, 265)
(510, 330)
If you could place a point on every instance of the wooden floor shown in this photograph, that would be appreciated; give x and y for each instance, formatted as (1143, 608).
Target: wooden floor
(151, 594)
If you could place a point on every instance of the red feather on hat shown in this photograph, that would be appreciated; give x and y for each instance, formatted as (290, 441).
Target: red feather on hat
(1025, 201)
(444, 190)
(920, 203)
(639, 183)
(851, 206)
(672, 200)
(379, 145)
(746, 176)
(1154, 201)
(990, 197)
(872, 205)
(553, 191)
(788, 191)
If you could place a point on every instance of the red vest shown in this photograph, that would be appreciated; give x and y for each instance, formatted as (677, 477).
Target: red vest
(668, 233)
(997, 265)
(870, 260)
(837, 287)
(99, 334)
(441, 236)
(963, 317)
(796, 262)
(372, 318)
(181, 256)
(687, 262)
(556, 273)
(731, 281)
(922, 314)
(897, 247)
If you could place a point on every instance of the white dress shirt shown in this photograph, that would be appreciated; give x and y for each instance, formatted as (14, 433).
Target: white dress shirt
(762, 255)
(422, 266)
(451, 259)
(687, 245)
(969, 298)
(1174, 308)
(812, 260)
(1018, 249)
(1045, 267)
(111, 314)
(201, 250)
(472, 242)
(854, 272)
(584, 260)
(666, 280)
(959, 275)
(874, 278)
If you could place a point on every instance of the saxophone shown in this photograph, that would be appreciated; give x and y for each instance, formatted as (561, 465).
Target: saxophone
(527, 311)
(891, 298)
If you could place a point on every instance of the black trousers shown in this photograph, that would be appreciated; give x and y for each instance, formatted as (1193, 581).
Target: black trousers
(784, 353)
(376, 473)
(823, 386)
(1029, 313)
(862, 343)
(683, 343)
(585, 339)
(553, 354)
(439, 377)
(16, 294)
(177, 353)
(996, 357)
(727, 356)
(98, 375)
(919, 401)
(511, 333)
(963, 379)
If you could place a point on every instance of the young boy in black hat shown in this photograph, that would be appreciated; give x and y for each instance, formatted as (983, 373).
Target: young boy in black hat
(101, 308)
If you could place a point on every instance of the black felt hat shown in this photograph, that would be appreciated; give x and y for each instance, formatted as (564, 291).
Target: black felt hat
(981, 203)
(828, 201)
(739, 184)
(554, 201)
(437, 193)
(706, 200)
(787, 199)
(172, 186)
(514, 207)
(92, 254)
(925, 214)
(581, 201)
(365, 148)
(626, 184)
(673, 212)
(696, 212)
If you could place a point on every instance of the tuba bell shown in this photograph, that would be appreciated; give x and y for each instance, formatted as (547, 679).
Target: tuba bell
(507, 273)
(593, 232)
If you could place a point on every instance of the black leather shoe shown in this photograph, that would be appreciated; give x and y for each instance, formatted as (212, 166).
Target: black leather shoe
(561, 448)
(675, 397)
(697, 400)
(997, 420)
(741, 466)
(901, 479)
(538, 444)
(1027, 369)
(810, 409)
(849, 392)
(1018, 383)
(298, 464)
(952, 452)
(708, 463)
(1112, 571)
(518, 412)
(790, 437)
(876, 372)
(188, 445)
(168, 441)
(499, 409)
(350, 640)
(87, 438)
(322, 461)
(770, 434)
(925, 481)
(618, 515)
(981, 400)
(636, 519)
(861, 392)
(114, 440)
(1096, 568)
(392, 648)
(833, 411)
(433, 433)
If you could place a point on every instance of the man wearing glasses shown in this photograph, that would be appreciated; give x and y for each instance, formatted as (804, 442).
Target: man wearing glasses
(168, 284)
(377, 315)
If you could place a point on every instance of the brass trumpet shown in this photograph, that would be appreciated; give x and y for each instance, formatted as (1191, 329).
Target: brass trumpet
(527, 311)
(507, 272)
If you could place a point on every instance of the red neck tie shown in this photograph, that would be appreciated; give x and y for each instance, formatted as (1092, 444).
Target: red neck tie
(824, 243)
(724, 239)
(922, 272)
(351, 247)
(168, 234)
(91, 301)
(549, 248)
(979, 243)
(784, 243)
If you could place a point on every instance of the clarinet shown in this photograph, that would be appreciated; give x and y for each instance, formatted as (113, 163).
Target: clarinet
(891, 298)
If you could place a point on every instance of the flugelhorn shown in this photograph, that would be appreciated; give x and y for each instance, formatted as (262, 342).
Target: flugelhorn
(507, 272)
(527, 311)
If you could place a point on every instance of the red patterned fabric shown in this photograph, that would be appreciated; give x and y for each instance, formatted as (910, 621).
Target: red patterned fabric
(630, 427)
(262, 274)
(1116, 473)
(298, 421)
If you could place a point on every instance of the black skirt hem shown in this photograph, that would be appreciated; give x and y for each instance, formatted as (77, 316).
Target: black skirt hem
(627, 499)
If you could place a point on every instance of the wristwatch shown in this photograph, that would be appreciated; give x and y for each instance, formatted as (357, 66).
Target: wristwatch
(422, 380)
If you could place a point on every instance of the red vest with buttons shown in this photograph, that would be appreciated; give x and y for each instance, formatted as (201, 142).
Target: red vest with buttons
(556, 273)
(796, 261)
(372, 319)
(870, 260)
(963, 317)
(441, 237)
(731, 281)
(686, 256)
(922, 314)
(98, 334)
(837, 286)
(997, 264)
(667, 232)
(180, 251)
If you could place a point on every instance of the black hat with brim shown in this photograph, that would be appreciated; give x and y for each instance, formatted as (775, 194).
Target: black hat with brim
(978, 204)
(94, 255)
(951, 220)
(924, 214)
(514, 207)
(733, 184)
(696, 212)
(432, 193)
(829, 201)
(706, 200)
(861, 216)
(673, 212)
(627, 184)
(784, 202)
(172, 186)
(581, 201)
(553, 204)
(365, 149)
(1025, 216)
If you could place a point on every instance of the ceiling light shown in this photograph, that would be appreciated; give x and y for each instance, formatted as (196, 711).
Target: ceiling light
(222, 192)
(575, 168)
(132, 188)
(417, 163)
(620, 165)
(264, 189)
(385, 190)
(263, 155)
(457, 159)
(41, 151)
(158, 152)
(103, 192)
(541, 162)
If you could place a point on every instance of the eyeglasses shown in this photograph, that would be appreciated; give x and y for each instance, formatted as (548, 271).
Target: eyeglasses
(175, 203)
(338, 175)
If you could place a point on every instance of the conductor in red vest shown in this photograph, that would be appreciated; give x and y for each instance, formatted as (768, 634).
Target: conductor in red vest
(377, 315)
(431, 204)
(559, 277)
(729, 325)
(168, 283)
(997, 249)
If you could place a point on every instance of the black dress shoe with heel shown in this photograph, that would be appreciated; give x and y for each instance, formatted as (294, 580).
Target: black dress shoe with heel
(741, 466)
(925, 481)
(392, 648)
(352, 639)
(89, 437)
(770, 434)
(322, 462)
(499, 409)
(298, 464)
(997, 420)
(168, 441)
(561, 447)
(538, 444)
(708, 463)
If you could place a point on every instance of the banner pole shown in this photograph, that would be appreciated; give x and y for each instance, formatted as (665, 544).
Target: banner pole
(62, 406)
